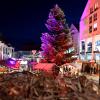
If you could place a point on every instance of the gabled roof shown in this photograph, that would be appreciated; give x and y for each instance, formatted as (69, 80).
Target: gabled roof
(74, 29)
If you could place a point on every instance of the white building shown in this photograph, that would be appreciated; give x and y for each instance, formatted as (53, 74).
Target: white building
(5, 51)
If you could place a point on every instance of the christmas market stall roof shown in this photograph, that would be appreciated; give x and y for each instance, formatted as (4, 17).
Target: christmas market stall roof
(44, 66)
(3, 69)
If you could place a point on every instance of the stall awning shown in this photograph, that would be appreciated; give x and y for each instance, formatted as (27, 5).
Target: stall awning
(3, 69)
(44, 66)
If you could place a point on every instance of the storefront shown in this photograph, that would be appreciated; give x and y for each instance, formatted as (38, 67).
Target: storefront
(82, 56)
(97, 56)
(88, 56)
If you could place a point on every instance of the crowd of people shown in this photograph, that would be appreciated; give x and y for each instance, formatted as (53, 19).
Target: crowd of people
(44, 86)
(90, 68)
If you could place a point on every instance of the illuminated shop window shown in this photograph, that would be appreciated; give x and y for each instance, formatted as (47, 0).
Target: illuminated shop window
(83, 45)
(96, 6)
(97, 57)
(90, 20)
(95, 16)
(91, 10)
(90, 29)
(89, 56)
(95, 26)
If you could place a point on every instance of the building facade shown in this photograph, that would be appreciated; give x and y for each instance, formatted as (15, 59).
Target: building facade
(5, 51)
(90, 31)
(75, 38)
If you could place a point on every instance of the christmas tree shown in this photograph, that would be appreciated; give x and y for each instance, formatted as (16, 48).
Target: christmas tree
(57, 44)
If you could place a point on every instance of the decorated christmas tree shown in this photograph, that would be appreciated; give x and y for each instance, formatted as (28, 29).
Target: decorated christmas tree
(57, 44)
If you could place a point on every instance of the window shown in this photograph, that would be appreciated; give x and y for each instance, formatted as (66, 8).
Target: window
(90, 29)
(95, 26)
(83, 46)
(90, 20)
(12, 50)
(4, 50)
(97, 43)
(91, 10)
(96, 6)
(89, 47)
(95, 16)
